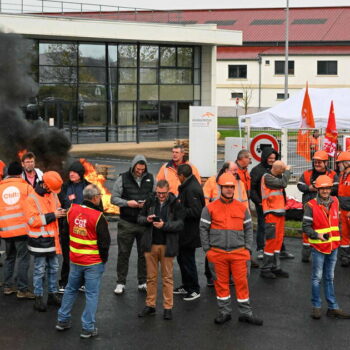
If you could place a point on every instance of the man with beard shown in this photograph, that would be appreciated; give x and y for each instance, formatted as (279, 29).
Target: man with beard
(30, 173)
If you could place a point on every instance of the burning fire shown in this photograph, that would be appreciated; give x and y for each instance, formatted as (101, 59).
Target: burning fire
(92, 176)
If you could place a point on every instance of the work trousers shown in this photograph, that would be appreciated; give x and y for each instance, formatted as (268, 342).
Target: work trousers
(187, 263)
(274, 233)
(153, 258)
(64, 239)
(224, 264)
(127, 233)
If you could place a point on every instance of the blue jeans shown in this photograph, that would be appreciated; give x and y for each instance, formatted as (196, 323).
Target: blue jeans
(16, 251)
(90, 276)
(42, 265)
(323, 264)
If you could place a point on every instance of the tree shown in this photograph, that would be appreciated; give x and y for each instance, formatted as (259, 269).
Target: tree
(247, 91)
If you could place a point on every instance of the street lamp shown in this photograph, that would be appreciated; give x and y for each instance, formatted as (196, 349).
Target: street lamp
(286, 54)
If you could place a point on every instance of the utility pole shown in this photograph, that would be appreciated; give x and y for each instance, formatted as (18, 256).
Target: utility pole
(286, 53)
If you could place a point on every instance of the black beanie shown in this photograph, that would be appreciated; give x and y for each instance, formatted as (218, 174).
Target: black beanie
(14, 168)
(78, 168)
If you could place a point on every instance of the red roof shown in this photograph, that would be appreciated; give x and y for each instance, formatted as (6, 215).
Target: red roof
(252, 52)
(324, 24)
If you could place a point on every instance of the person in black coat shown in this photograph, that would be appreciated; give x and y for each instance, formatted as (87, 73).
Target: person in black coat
(192, 199)
(268, 157)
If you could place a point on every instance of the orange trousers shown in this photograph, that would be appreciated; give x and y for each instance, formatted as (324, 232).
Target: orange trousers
(345, 229)
(225, 263)
(274, 233)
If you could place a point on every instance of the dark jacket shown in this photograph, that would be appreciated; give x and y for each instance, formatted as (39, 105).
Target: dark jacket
(192, 199)
(257, 173)
(103, 236)
(174, 223)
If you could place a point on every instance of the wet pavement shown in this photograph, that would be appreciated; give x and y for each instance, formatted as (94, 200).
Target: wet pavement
(284, 304)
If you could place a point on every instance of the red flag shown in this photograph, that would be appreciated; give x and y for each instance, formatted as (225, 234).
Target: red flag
(331, 137)
(307, 122)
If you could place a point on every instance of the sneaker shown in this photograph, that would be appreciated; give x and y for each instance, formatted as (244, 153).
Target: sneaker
(119, 289)
(256, 321)
(316, 313)
(25, 294)
(286, 255)
(61, 289)
(337, 313)
(280, 273)
(191, 296)
(82, 289)
(260, 254)
(85, 334)
(210, 282)
(142, 287)
(147, 311)
(63, 325)
(10, 290)
(222, 318)
(180, 290)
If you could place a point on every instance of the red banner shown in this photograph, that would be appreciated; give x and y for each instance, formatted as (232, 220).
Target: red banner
(331, 136)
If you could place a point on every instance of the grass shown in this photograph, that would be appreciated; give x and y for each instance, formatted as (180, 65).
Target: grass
(228, 121)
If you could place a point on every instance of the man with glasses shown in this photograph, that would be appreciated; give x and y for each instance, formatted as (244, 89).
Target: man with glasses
(163, 217)
(30, 173)
(130, 192)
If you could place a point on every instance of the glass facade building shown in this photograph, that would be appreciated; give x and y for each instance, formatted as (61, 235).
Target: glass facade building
(117, 92)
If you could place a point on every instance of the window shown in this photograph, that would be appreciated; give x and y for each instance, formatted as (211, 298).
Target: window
(267, 62)
(280, 96)
(237, 71)
(236, 94)
(279, 67)
(327, 67)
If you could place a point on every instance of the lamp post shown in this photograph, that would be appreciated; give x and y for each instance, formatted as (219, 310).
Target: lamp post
(286, 53)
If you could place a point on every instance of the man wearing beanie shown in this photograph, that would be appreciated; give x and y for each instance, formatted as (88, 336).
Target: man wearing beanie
(72, 192)
(13, 229)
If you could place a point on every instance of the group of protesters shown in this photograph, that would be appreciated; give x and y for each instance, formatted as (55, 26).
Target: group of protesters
(171, 215)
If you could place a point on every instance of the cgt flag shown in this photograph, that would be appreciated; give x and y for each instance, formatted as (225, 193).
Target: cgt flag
(331, 137)
(307, 122)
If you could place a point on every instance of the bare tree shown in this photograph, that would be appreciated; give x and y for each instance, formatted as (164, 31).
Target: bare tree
(247, 91)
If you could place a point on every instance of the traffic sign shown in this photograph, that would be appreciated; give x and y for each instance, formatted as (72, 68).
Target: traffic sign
(237, 101)
(261, 141)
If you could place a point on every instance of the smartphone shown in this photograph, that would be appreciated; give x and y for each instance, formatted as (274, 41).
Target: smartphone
(141, 201)
(156, 219)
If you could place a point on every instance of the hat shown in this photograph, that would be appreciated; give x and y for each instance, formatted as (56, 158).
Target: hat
(78, 168)
(14, 168)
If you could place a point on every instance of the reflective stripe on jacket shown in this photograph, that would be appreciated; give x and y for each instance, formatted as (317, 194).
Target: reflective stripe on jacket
(83, 246)
(272, 199)
(323, 222)
(13, 192)
(344, 191)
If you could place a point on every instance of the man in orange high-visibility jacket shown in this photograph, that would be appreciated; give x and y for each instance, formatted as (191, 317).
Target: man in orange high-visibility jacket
(13, 229)
(168, 171)
(306, 186)
(273, 195)
(343, 162)
(42, 209)
(227, 235)
(243, 160)
(321, 224)
(89, 245)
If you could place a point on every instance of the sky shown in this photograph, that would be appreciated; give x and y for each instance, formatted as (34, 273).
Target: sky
(186, 4)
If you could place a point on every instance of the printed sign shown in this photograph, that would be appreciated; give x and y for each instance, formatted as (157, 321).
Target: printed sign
(261, 141)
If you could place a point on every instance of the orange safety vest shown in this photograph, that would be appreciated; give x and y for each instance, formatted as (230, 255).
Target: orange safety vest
(272, 199)
(212, 191)
(308, 174)
(314, 142)
(169, 173)
(325, 223)
(36, 207)
(83, 236)
(13, 193)
(245, 177)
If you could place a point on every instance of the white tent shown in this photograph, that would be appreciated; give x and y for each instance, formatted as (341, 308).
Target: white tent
(287, 114)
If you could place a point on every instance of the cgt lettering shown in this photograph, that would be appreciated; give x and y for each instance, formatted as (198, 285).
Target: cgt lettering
(80, 222)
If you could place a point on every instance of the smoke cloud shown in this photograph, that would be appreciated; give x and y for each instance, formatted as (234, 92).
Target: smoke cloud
(50, 145)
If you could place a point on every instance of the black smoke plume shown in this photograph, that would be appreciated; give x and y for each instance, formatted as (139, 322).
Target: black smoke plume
(50, 145)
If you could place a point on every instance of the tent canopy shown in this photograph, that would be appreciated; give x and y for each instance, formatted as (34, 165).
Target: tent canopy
(287, 114)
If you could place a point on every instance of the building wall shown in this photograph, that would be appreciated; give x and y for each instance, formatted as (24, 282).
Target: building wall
(208, 75)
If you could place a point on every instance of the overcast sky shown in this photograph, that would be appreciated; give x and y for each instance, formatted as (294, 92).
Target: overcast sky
(186, 4)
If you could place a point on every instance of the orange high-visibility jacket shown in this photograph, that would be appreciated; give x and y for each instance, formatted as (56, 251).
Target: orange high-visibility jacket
(212, 191)
(308, 174)
(83, 246)
(169, 173)
(324, 222)
(13, 193)
(344, 191)
(245, 177)
(314, 143)
(36, 207)
(273, 200)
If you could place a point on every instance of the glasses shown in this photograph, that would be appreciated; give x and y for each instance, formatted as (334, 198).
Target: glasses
(162, 193)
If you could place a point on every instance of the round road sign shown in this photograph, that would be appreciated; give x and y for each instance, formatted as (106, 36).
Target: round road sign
(261, 141)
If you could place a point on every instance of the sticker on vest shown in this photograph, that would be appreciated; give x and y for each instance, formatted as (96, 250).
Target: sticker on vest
(11, 195)
(79, 227)
(71, 197)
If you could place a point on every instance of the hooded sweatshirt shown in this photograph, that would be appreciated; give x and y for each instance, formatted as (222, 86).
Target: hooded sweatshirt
(257, 173)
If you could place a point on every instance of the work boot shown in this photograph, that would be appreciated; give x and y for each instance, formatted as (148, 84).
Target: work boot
(305, 254)
(39, 304)
(10, 290)
(254, 263)
(251, 319)
(344, 261)
(286, 255)
(267, 274)
(337, 313)
(280, 273)
(266, 267)
(316, 313)
(147, 311)
(53, 299)
(222, 318)
(168, 314)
